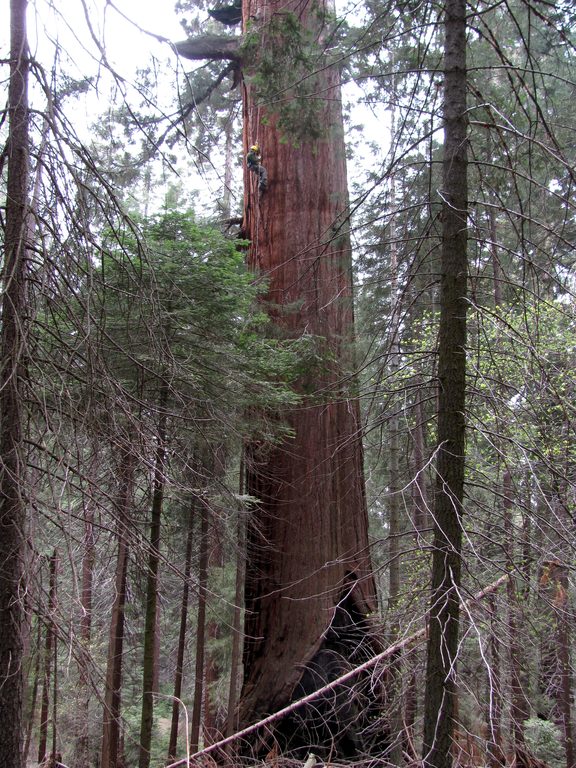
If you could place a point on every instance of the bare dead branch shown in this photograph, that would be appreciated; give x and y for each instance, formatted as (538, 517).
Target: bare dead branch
(391, 651)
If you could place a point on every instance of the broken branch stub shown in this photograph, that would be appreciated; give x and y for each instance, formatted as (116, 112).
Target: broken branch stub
(215, 47)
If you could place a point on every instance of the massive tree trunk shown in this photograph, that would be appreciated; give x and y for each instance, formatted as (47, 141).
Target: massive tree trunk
(439, 705)
(15, 319)
(308, 561)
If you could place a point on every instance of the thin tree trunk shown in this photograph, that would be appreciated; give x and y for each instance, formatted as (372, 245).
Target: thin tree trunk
(82, 748)
(228, 159)
(410, 707)
(444, 616)
(49, 650)
(54, 750)
(496, 268)
(13, 379)
(212, 728)
(496, 756)
(31, 719)
(231, 723)
(200, 630)
(394, 515)
(566, 681)
(555, 672)
(519, 706)
(179, 672)
(419, 490)
(111, 737)
(150, 627)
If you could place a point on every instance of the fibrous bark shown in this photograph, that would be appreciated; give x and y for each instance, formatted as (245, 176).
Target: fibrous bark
(308, 562)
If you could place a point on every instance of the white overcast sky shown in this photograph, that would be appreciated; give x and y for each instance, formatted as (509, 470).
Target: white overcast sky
(62, 25)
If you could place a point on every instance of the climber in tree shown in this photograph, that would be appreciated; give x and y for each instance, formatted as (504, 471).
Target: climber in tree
(254, 163)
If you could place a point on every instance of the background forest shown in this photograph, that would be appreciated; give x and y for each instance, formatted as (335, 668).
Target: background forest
(139, 360)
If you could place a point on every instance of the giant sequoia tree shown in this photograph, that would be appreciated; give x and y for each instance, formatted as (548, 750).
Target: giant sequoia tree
(309, 586)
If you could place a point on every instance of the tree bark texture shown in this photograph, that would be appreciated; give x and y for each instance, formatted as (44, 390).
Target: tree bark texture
(12, 384)
(308, 537)
(439, 705)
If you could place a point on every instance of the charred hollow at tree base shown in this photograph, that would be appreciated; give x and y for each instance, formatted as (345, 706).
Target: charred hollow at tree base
(348, 723)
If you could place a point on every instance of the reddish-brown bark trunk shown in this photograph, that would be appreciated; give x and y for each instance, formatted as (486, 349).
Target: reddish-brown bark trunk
(308, 538)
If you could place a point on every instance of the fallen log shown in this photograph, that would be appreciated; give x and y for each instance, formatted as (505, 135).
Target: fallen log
(390, 651)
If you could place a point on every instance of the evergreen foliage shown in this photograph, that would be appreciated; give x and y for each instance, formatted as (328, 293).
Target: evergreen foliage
(123, 303)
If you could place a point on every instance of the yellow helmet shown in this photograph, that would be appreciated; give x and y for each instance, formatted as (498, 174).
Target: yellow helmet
(254, 148)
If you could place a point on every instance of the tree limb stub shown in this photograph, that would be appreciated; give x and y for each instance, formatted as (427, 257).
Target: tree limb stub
(214, 47)
(390, 651)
